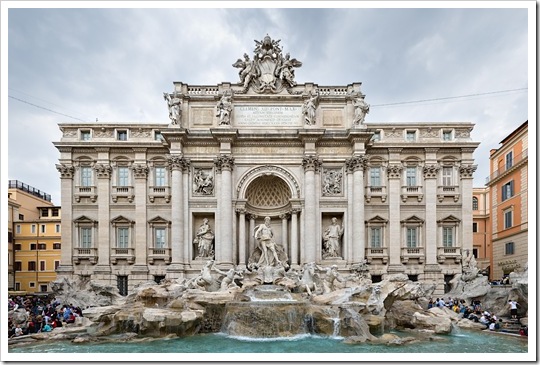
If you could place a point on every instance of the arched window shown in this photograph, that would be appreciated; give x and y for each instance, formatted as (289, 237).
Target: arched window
(474, 203)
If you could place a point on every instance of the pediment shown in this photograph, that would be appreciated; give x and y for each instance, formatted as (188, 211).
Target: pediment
(84, 219)
(377, 219)
(449, 219)
(413, 219)
(121, 219)
(158, 219)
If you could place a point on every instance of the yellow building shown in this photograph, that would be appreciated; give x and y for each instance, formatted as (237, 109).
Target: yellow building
(36, 239)
(508, 184)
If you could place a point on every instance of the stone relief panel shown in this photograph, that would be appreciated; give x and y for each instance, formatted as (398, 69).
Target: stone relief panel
(104, 133)
(141, 133)
(203, 182)
(332, 182)
(332, 117)
(202, 116)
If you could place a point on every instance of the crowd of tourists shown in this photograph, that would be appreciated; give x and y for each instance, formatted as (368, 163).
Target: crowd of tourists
(41, 315)
(474, 311)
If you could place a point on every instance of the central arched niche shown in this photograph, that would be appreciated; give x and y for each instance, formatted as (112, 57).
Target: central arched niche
(268, 195)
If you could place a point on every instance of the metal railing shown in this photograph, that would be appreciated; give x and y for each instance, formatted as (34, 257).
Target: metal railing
(16, 184)
(508, 165)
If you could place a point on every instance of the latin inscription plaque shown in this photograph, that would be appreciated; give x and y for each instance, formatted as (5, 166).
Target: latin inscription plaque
(266, 116)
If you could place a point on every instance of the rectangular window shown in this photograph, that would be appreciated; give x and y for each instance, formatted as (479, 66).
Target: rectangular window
(31, 266)
(56, 264)
(121, 135)
(123, 237)
(33, 246)
(447, 135)
(447, 176)
(85, 135)
(508, 190)
(160, 176)
(21, 217)
(57, 246)
(412, 237)
(17, 247)
(159, 237)
(122, 283)
(43, 228)
(86, 176)
(376, 136)
(43, 288)
(44, 212)
(158, 136)
(32, 284)
(42, 246)
(411, 176)
(509, 248)
(508, 219)
(475, 253)
(18, 229)
(376, 237)
(57, 228)
(41, 265)
(509, 160)
(55, 212)
(33, 228)
(375, 176)
(448, 236)
(86, 237)
(123, 176)
(17, 286)
(410, 136)
(18, 266)
(475, 227)
(474, 203)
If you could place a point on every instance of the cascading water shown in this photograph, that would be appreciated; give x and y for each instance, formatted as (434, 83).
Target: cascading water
(337, 327)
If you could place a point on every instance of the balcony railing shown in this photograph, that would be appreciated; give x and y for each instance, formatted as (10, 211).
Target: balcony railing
(159, 192)
(444, 253)
(380, 253)
(122, 191)
(451, 191)
(125, 253)
(412, 191)
(85, 192)
(159, 253)
(507, 166)
(377, 191)
(85, 253)
(412, 253)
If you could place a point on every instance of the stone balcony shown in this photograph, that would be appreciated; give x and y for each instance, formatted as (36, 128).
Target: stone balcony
(122, 254)
(448, 191)
(122, 192)
(156, 253)
(444, 253)
(375, 191)
(377, 253)
(85, 192)
(412, 192)
(408, 253)
(89, 254)
(159, 192)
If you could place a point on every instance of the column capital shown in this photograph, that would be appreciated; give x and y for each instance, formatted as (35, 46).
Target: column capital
(178, 162)
(431, 171)
(356, 163)
(103, 170)
(311, 162)
(224, 162)
(140, 171)
(467, 171)
(394, 171)
(66, 171)
(241, 210)
(252, 216)
(284, 216)
(296, 210)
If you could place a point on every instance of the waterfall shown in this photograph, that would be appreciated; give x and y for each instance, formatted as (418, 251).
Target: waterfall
(456, 330)
(337, 327)
(309, 324)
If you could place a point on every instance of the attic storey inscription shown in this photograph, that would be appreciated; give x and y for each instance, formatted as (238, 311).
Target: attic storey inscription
(258, 115)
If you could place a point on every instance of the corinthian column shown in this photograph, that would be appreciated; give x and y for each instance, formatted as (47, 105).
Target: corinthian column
(466, 172)
(394, 226)
(103, 173)
(140, 173)
(311, 165)
(430, 196)
(241, 236)
(356, 164)
(176, 164)
(224, 245)
(66, 258)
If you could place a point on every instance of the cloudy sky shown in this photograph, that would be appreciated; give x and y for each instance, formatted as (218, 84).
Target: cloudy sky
(73, 65)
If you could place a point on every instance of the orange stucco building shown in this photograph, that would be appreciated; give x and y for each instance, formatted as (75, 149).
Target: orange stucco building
(508, 194)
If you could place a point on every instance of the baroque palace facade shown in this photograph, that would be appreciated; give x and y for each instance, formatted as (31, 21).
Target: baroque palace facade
(151, 201)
